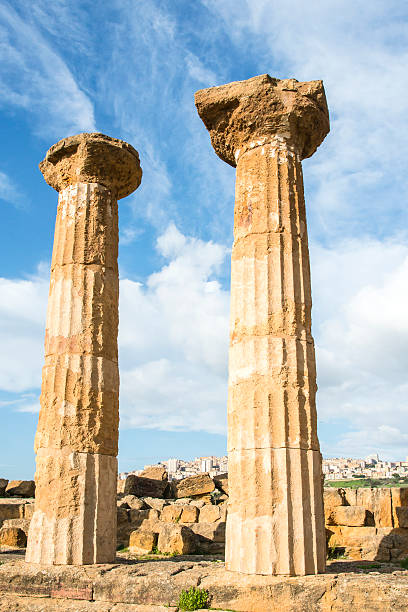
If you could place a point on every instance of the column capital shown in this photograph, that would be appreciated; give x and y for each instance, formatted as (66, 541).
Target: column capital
(93, 158)
(263, 109)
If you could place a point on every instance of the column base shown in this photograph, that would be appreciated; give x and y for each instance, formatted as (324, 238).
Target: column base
(275, 523)
(74, 522)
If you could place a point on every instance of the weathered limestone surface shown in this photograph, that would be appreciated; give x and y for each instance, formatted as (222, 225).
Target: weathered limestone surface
(265, 127)
(77, 436)
(345, 587)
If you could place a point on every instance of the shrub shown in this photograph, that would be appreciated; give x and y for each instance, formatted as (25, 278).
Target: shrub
(193, 599)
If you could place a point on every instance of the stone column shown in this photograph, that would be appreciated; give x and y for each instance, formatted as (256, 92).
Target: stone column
(77, 436)
(265, 127)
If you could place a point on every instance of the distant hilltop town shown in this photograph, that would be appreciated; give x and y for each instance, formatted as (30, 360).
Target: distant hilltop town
(178, 469)
(370, 467)
(339, 468)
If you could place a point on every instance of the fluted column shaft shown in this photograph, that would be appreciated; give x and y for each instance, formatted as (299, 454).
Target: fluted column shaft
(275, 513)
(77, 435)
(265, 127)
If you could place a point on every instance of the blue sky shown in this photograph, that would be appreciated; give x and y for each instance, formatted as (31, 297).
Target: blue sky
(129, 68)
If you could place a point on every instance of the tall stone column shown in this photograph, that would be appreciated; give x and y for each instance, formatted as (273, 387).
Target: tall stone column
(265, 127)
(77, 436)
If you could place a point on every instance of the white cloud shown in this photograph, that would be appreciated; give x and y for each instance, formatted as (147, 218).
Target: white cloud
(359, 50)
(361, 332)
(34, 77)
(23, 305)
(9, 192)
(173, 339)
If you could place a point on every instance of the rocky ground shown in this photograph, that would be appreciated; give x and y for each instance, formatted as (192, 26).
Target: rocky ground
(153, 583)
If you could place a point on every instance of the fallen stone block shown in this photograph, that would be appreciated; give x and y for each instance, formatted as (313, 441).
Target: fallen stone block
(221, 482)
(377, 501)
(189, 514)
(400, 517)
(10, 511)
(209, 532)
(198, 503)
(210, 514)
(3, 485)
(137, 517)
(201, 484)
(156, 503)
(353, 537)
(120, 488)
(142, 542)
(176, 539)
(18, 523)
(155, 472)
(172, 513)
(13, 536)
(399, 501)
(29, 510)
(21, 488)
(332, 498)
(144, 487)
(133, 502)
(352, 516)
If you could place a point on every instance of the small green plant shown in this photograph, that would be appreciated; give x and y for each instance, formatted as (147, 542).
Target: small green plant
(122, 550)
(404, 563)
(335, 552)
(193, 599)
(369, 566)
(156, 551)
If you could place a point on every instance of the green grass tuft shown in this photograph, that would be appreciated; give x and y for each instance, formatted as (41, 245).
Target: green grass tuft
(193, 599)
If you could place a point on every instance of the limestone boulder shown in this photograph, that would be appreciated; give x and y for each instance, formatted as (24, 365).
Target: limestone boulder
(378, 502)
(120, 488)
(10, 511)
(189, 514)
(13, 536)
(353, 537)
(200, 485)
(198, 503)
(221, 482)
(21, 488)
(144, 487)
(401, 517)
(172, 513)
(142, 542)
(352, 516)
(399, 501)
(18, 523)
(133, 502)
(155, 503)
(155, 472)
(209, 532)
(332, 498)
(176, 539)
(138, 517)
(3, 485)
(210, 514)
(28, 510)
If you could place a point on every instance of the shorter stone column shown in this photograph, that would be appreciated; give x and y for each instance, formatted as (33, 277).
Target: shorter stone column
(77, 436)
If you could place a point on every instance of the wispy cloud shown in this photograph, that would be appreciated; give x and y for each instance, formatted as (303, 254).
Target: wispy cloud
(34, 77)
(9, 192)
(359, 49)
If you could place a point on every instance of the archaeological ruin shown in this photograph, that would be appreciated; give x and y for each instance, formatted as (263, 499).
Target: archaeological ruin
(265, 127)
(93, 542)
(77, 436)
